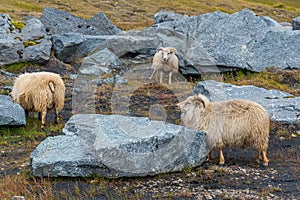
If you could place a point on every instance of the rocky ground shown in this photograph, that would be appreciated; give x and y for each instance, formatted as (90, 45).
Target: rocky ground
(240, 178)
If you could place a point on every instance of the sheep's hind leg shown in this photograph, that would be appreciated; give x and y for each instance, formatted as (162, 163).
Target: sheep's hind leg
(222, 160)
(56, 117)
(259, 156)
(43, 119)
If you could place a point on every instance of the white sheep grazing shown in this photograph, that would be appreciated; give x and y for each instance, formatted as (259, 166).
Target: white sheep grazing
(165, 60)
(40, 92)
(239, 123)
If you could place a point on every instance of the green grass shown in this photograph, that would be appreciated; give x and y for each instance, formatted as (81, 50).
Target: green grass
(32, 131)
(20, 66)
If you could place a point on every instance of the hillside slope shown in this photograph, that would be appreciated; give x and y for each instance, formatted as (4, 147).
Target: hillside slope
(137, 14)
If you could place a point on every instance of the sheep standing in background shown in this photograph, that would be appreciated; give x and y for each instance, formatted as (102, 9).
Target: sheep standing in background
(40, 92)
(239, 123)
(165, 60)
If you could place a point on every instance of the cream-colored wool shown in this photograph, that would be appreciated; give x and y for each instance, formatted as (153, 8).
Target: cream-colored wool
(40, 92)
(165, 60)
(238, 123)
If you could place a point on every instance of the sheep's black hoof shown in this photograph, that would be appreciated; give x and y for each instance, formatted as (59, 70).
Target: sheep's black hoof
(43, 127)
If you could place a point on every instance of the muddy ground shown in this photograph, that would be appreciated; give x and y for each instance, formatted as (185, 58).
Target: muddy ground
(240, 178)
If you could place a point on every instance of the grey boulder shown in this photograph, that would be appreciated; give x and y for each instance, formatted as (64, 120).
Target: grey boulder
(69, 46)
(11, 114)
(240, 40)
(100, 62)
(296, 23)
(65, 45)
(281, 106)
(59, 22)
(29, 44)
(118, 146)
(39, 53)
(11, 50)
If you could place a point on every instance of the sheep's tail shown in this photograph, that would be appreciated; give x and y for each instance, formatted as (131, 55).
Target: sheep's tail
(51, 86)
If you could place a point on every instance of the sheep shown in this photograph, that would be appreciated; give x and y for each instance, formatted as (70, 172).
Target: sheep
(40, 92)
(165, 60)
(238, 123)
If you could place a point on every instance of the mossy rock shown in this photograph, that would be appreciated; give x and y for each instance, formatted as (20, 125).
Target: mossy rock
(18, 24)
(29, 43)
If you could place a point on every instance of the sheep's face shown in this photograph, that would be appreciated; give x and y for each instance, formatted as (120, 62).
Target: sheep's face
(190, 104)
(166, 53)
(192, 109)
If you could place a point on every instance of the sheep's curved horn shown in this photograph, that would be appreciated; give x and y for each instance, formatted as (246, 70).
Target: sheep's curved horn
(159, 49)
(201, 99)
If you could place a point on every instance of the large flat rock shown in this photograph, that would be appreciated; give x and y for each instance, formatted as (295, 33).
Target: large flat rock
(118, 146)
(241, 40)
(11, 114)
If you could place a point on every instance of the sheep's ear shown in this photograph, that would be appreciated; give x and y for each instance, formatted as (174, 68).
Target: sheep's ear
(173, 50)
(159, 49)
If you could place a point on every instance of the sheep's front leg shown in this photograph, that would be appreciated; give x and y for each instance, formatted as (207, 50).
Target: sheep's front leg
(265, 158)
(153, 73)
(210, 157)
(222, 160)
(161, 77)
(43, 119)
(170, 77)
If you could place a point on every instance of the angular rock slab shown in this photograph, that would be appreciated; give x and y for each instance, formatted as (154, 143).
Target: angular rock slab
(281, 106)
(118, 146)
(296, 23)
(11, 114)
(241, 40)
(59, 22)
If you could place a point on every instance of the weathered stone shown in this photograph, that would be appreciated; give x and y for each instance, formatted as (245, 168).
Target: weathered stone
(11, 114)
(270, 22)
(296, 23)
(240, 40)
(100, 62)
(34, 30)
(29, 44)
(10, 50)
(74, 45)
(281, 106)
(60, 22)
(39, 53)
(118, 146)
(111, 80)
(100, 25)
(5, 24)
(65, 44)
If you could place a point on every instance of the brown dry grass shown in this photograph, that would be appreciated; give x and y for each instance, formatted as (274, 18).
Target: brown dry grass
(137, 14)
